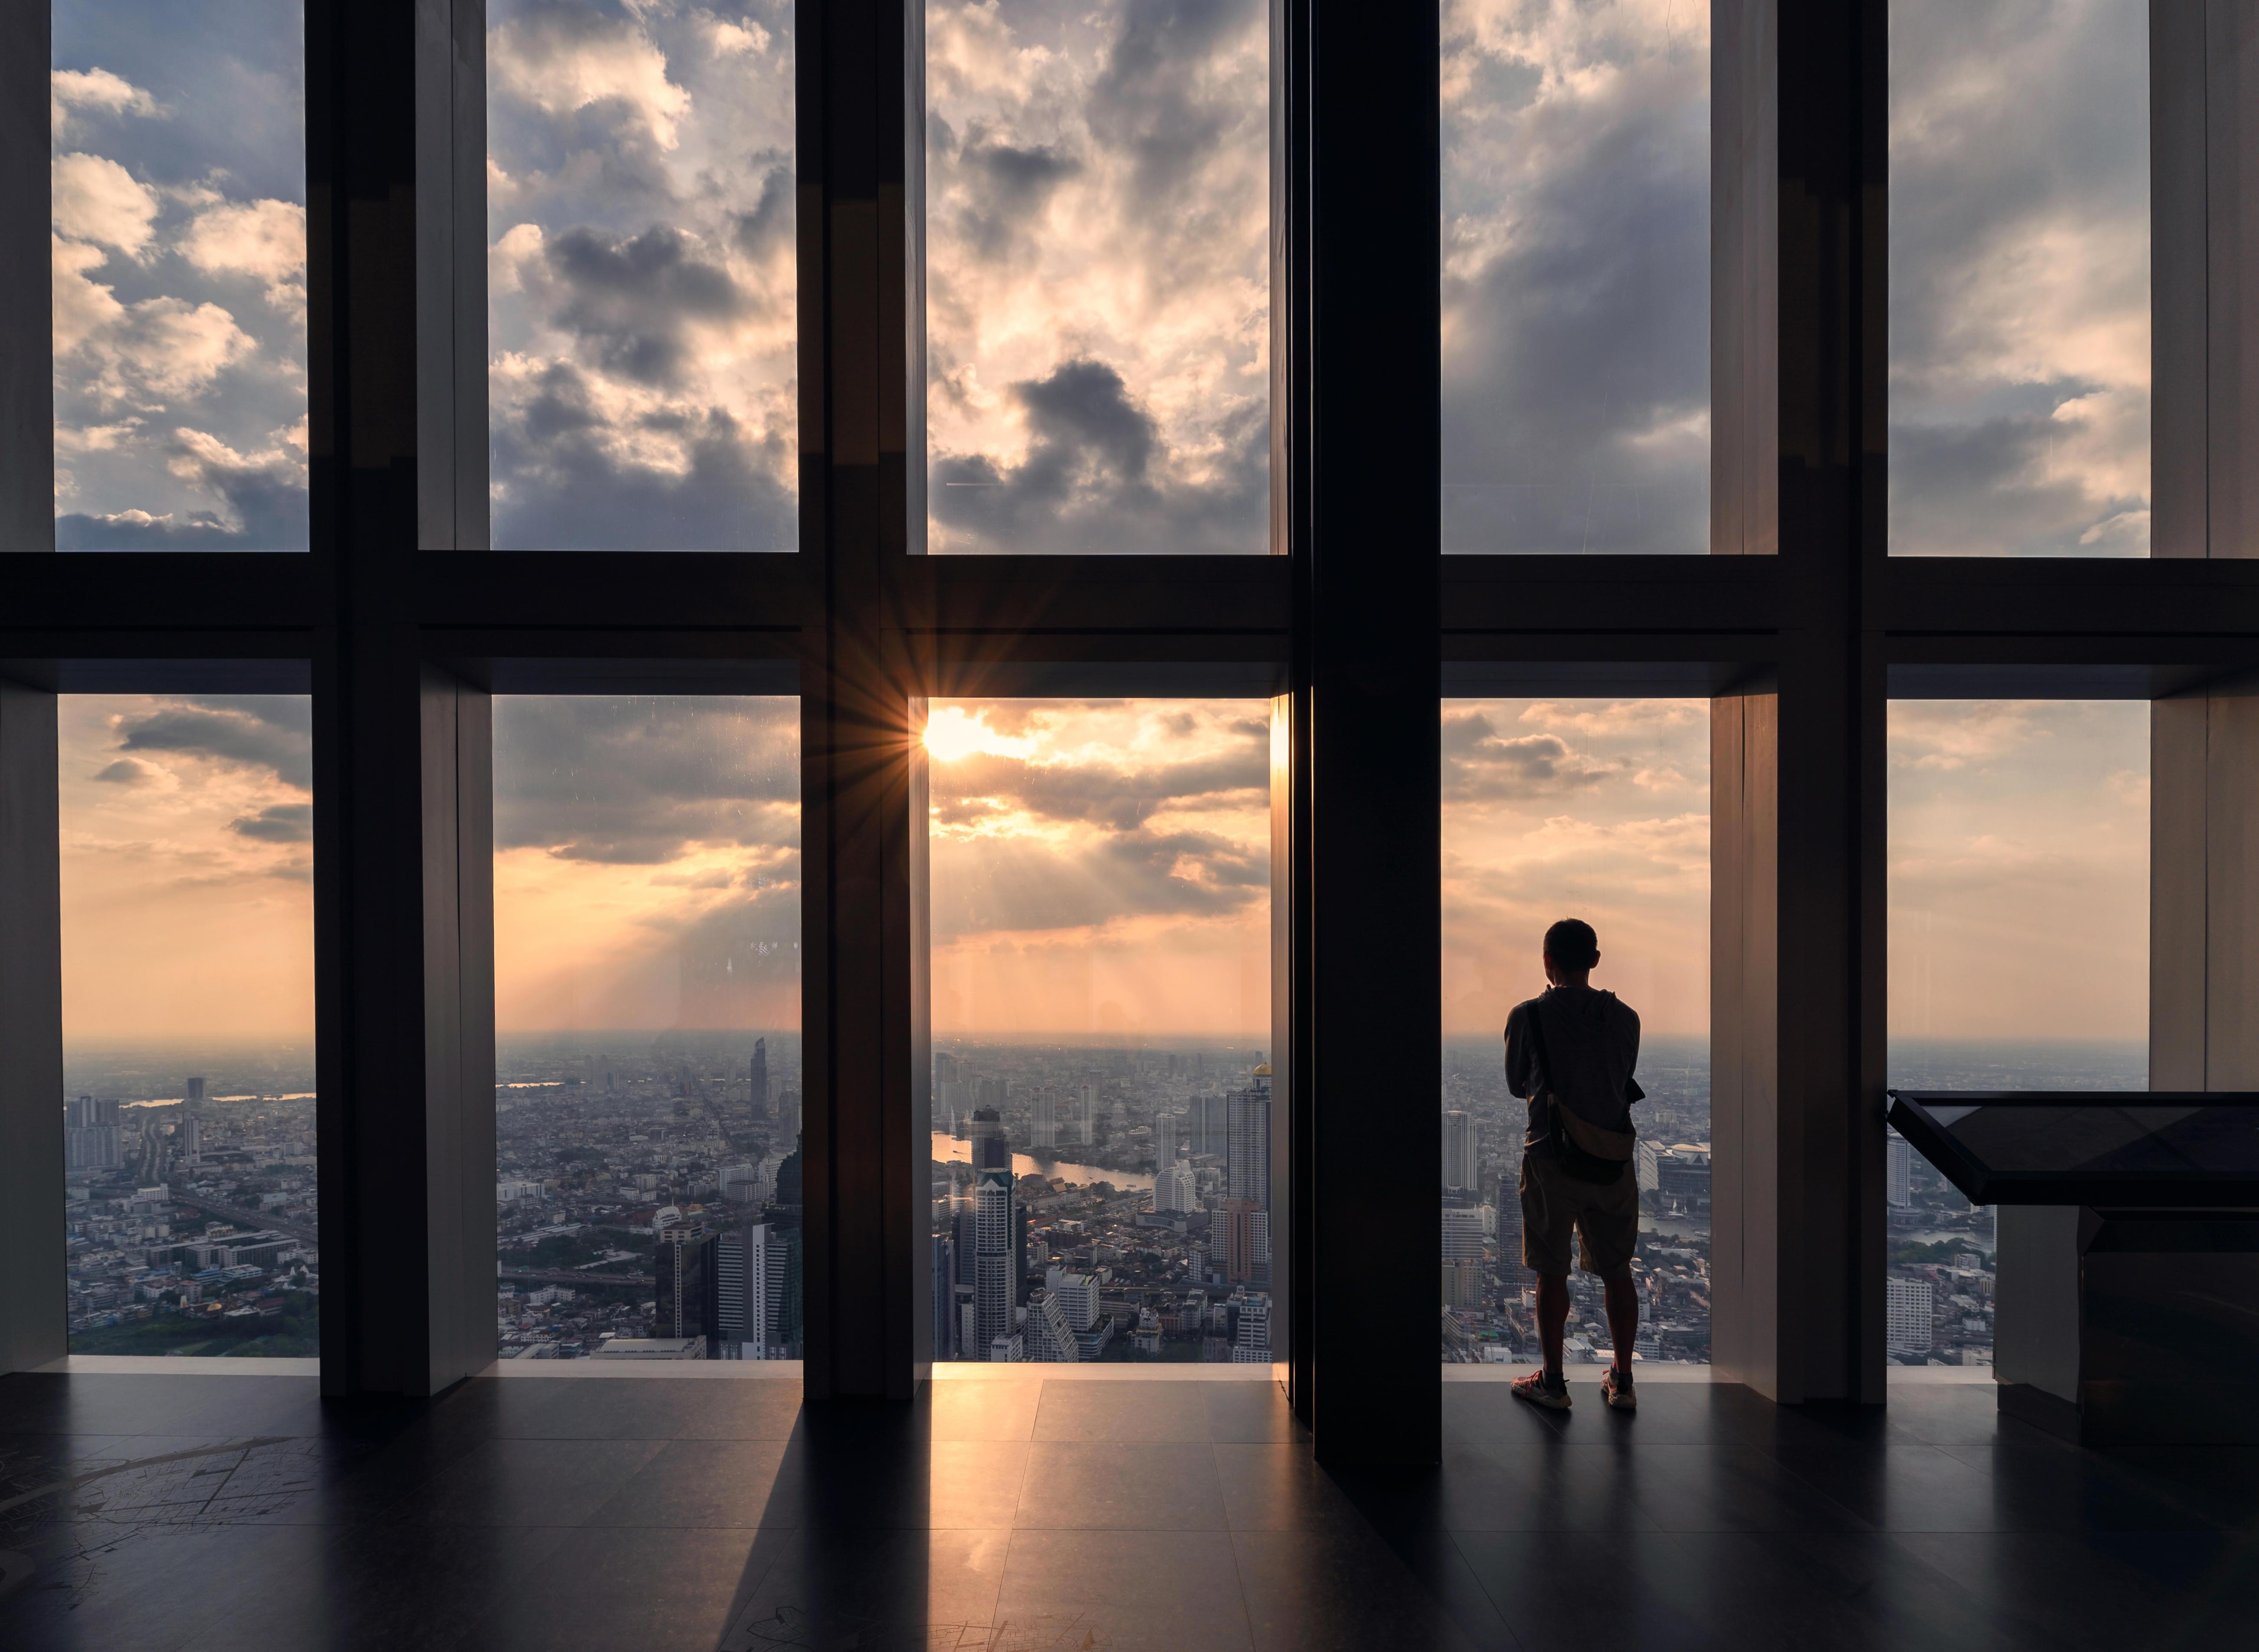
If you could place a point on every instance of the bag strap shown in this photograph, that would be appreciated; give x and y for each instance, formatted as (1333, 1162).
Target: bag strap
(1544, 1060)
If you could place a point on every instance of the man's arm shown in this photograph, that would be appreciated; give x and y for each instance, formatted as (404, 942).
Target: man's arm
(1521, 1060)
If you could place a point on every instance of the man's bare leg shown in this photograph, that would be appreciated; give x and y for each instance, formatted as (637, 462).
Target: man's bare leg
(1623, 1320)
(1552, 1319)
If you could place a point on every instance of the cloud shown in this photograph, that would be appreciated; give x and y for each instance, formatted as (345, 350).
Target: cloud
(1481, 763)
(643, 780)
(95, 199)
(268, 733)
(640, 303)
(560, 57)
(262, 501)
(97, 91)
(262, 238)
(1955, 734)
(277, 823)
(130, 771)
(1576, 180)
(1097, 263)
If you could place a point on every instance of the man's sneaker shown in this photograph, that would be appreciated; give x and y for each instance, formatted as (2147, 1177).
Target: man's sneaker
(1539, 1390)
(1616, 1392)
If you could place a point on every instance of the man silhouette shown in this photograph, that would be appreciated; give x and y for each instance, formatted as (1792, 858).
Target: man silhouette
(1571, 1049)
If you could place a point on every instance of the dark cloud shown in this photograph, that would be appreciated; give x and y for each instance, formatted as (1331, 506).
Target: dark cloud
(265, 509)
(272, 732)
(771, 223)
(1149, 99)
(278, 823)
(1028, 885)
(1591, 330)
(634, 301)
(1006, 187)
(1091, 481)
(637, 780)
(127, 772)
(1481, 764)
(561, 488)
(1981, 489)
(1114, 799)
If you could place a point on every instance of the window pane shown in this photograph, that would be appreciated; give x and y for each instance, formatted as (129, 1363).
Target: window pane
(2020, 278)
(647, 1027)
(1101, 1005)
(2019, 956)
(1576, 157)
(642, 388)
(179, 201)
(1597, 809)
(1098, 286)
(187, 961)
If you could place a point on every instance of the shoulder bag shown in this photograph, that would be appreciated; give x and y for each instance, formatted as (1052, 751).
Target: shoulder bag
(1584, 1150)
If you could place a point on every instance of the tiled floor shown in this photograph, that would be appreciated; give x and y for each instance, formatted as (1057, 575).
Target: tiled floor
(239, 1514)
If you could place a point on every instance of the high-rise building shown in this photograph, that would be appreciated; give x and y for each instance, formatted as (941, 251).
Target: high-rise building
(685, 1259)
(1166, 1126)
(1043, 1125)
(1247, 1153)
(746, 1282)
(1460, 1166)
(1078, 1297)
(1050, 1340)
(1086, 1118)
(1462, 1284)
(1907, 1315)
(1207, 1125)
(997, 1236)
(1239, 1216)
(758, 1090)
(192, 1098)
(1647, 1158)
(1175, 1192)
(944, 1067)
(1898, 1171)
(945, 1297)
(1250, 1340)
(1463, 1234)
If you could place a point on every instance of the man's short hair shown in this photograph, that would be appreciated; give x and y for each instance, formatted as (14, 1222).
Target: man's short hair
(1573, 945)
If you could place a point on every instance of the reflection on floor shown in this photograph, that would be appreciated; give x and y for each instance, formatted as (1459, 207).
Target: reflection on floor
(146, 1513)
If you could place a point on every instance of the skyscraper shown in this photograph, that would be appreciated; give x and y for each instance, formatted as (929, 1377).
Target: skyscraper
(193, 1100)
(1463, 1234)
(1459, 1162)
(685, 1259)
(760, 1091)
(945, 1297)
(1043, 1127)
(1049, 1339)
(746, 1283)
(996, 1233)
(1250, 1340)
(1898, 1171)
(1086, 1117)
(1206, 1127)
(1173, 1190)
(1165, 1140)
(1247, 1153)
(1239, 1240)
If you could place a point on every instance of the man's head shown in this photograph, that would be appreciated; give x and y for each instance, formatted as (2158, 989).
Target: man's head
(1572, 948)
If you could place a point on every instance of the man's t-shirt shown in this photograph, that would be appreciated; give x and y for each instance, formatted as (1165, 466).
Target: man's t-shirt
(1593, 1040)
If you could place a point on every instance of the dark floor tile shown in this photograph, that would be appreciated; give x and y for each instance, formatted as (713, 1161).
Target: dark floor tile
(1250, 1413)
(1135, 1485)
(1588, 1591)
(604, 1589)
(177, 1405)
(1175, 1410)
(1788, 1591)
(876, 1589)
(708, 1483)
(1348, 1589)
(2219, 1484)
(1899, 1486)
(1280, 1488)
(145, 1589)
(528, 1483)
(1729, 1487)
(2112, 1593)
(588, 1407)
(1126, 1591)
(378, 1589)
(1960, 1414)
(2044, 1489)
(1544, 1487)
(1484, 1411)
(751, 1408)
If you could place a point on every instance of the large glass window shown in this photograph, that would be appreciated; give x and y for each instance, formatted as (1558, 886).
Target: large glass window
(1098, 276)
(188, 972)
(2018, 956)
(1101, 980)
(1575, 346)
(179, 203)
(1597, 809)
(648, 1089)
(642, 390)
(2019, 277)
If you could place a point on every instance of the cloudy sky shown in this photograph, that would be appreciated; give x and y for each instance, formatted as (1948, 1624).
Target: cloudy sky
(1098, 275)
(2020, 278)
(1597, 809)
(1101, 866)
(646, 862)
(187, 868)
(640, 207)
(180, 298)
(2020, 869)
(1576, 347)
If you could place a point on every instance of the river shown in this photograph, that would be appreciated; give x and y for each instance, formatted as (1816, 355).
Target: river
(947, 1147)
